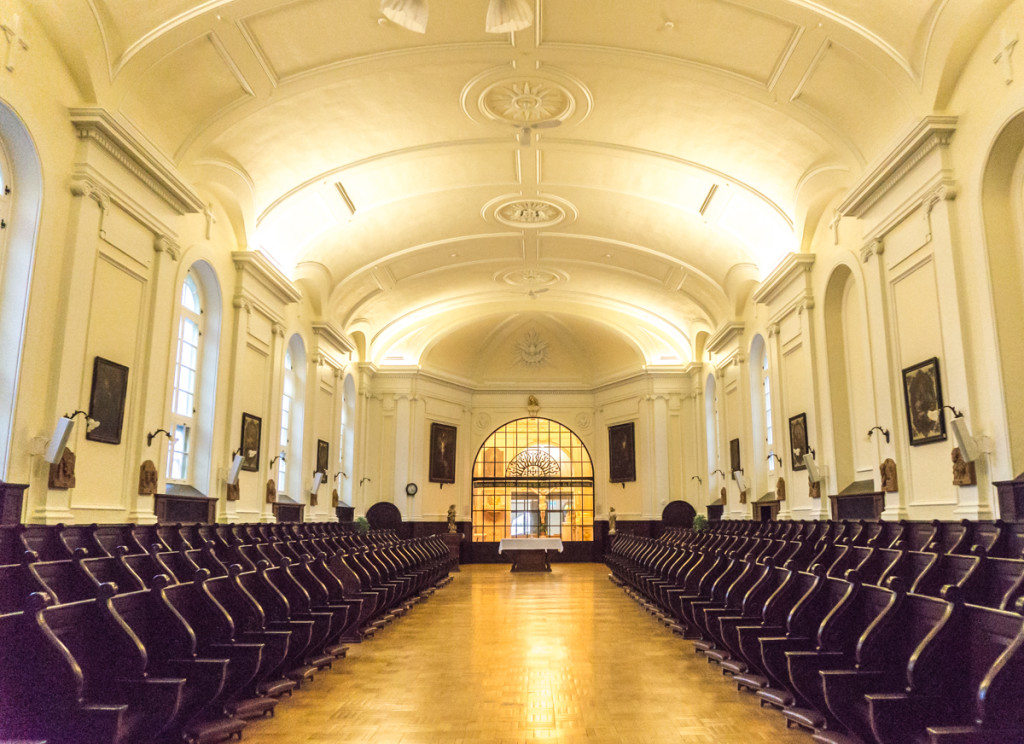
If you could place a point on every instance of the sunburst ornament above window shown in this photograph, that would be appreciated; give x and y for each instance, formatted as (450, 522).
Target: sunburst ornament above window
(531, 350)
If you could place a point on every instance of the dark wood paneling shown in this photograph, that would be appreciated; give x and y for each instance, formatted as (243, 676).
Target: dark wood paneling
(12, 495)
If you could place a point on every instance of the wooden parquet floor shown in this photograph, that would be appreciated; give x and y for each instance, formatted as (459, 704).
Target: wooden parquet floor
(501, 657)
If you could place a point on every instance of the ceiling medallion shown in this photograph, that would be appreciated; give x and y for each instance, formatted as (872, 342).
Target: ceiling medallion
(529, 213)
(531, 350)
(526, 101)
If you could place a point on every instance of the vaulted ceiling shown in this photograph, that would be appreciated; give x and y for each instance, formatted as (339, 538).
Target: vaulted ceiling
(402, 179)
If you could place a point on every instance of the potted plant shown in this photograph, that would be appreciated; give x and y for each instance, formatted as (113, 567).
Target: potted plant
(700, 523)
(361, 525)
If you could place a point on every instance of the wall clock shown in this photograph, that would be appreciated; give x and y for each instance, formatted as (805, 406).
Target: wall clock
(411, 489)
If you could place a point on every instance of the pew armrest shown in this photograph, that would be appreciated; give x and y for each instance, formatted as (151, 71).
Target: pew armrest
(973, 735)
(895, 717)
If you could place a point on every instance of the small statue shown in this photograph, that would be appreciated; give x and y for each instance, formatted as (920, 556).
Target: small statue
(724, 494)
(451, 519)
(334, 498)
(531, 402)
(313, 498)
(780, 489)
(62, 472)
(963, 471)
(890, 483)
(147, 478)
(271, 491)
(814, 489)
(233, 493)
(611, 520)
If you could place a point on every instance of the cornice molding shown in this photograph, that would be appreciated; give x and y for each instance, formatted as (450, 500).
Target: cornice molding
(725, 334)
(255, 264)
(333, 335)
(789, 270)
(98, 125)
(929, 133)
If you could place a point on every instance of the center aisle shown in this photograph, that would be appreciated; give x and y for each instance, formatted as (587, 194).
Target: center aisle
(501, 657)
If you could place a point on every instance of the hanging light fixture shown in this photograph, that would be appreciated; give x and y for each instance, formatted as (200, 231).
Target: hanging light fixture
(504, 16)
(410, 14)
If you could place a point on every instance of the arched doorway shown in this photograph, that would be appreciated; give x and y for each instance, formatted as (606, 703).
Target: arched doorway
(533, 476)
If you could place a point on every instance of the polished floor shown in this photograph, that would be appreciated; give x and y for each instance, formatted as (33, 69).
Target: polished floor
(501, 657)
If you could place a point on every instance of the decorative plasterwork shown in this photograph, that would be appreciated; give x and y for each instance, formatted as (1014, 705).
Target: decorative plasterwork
(256, 265)
(526, 99)
(725, 335)
(333, 335)
(532, 213)
(791, 268)
(89, 181)
(97, 125)
(531, 350)
(930, 132)
(531, 278)
(529, 213)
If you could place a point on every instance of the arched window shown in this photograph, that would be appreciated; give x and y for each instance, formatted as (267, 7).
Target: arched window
(290, 440)
(184, 395)
(761, 405)
(711, 422)
(20, 197)
(346, 445)
(533, 476)
(769, 434)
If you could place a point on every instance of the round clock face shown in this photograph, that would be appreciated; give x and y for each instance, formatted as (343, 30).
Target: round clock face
(411, 489)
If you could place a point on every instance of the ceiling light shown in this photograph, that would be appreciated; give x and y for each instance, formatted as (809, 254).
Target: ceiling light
(508, 15)
(410, 14)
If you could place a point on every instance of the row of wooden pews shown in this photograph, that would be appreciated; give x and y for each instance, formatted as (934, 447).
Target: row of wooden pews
(114, 634)
(857, 631)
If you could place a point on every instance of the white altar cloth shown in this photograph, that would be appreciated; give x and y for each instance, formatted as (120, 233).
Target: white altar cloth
(530, 543)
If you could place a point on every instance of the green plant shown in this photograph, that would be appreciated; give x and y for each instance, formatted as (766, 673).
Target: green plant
(700, 523)
(362, 525)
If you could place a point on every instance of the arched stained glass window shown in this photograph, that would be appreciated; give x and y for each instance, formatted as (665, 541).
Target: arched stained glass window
(533, 476)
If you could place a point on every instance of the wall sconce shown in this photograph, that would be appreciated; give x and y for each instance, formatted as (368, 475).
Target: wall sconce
(153, 435)
(741, 483)
(770, 456)
(971, 447)
(236, 465)
(62, 432)
(699, 480)
(279, 457)
(813, 471)
(885, 432)
(363, 480)
(718, 471)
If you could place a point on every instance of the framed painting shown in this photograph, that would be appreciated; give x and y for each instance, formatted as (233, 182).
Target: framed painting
(798, 440)
(252, 428)
(621, 453)
(922, 393)
(106, 402)
(734, 456)
(442, 453)
(323, 454)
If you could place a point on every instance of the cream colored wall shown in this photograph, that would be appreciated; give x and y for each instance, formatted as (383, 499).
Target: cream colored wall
(935, 266)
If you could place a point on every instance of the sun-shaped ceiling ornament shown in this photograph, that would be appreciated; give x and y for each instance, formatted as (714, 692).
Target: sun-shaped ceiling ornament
(526, 101)
(539, 98)
(533, 213)
(530, 212)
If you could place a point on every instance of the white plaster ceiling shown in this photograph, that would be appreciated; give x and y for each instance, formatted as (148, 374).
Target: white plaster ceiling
(383, 169)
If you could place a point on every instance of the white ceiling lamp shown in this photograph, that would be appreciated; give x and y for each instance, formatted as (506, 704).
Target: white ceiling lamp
(410, 14)
(504, 16)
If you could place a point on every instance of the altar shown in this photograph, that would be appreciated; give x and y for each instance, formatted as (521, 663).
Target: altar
(531, 553)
